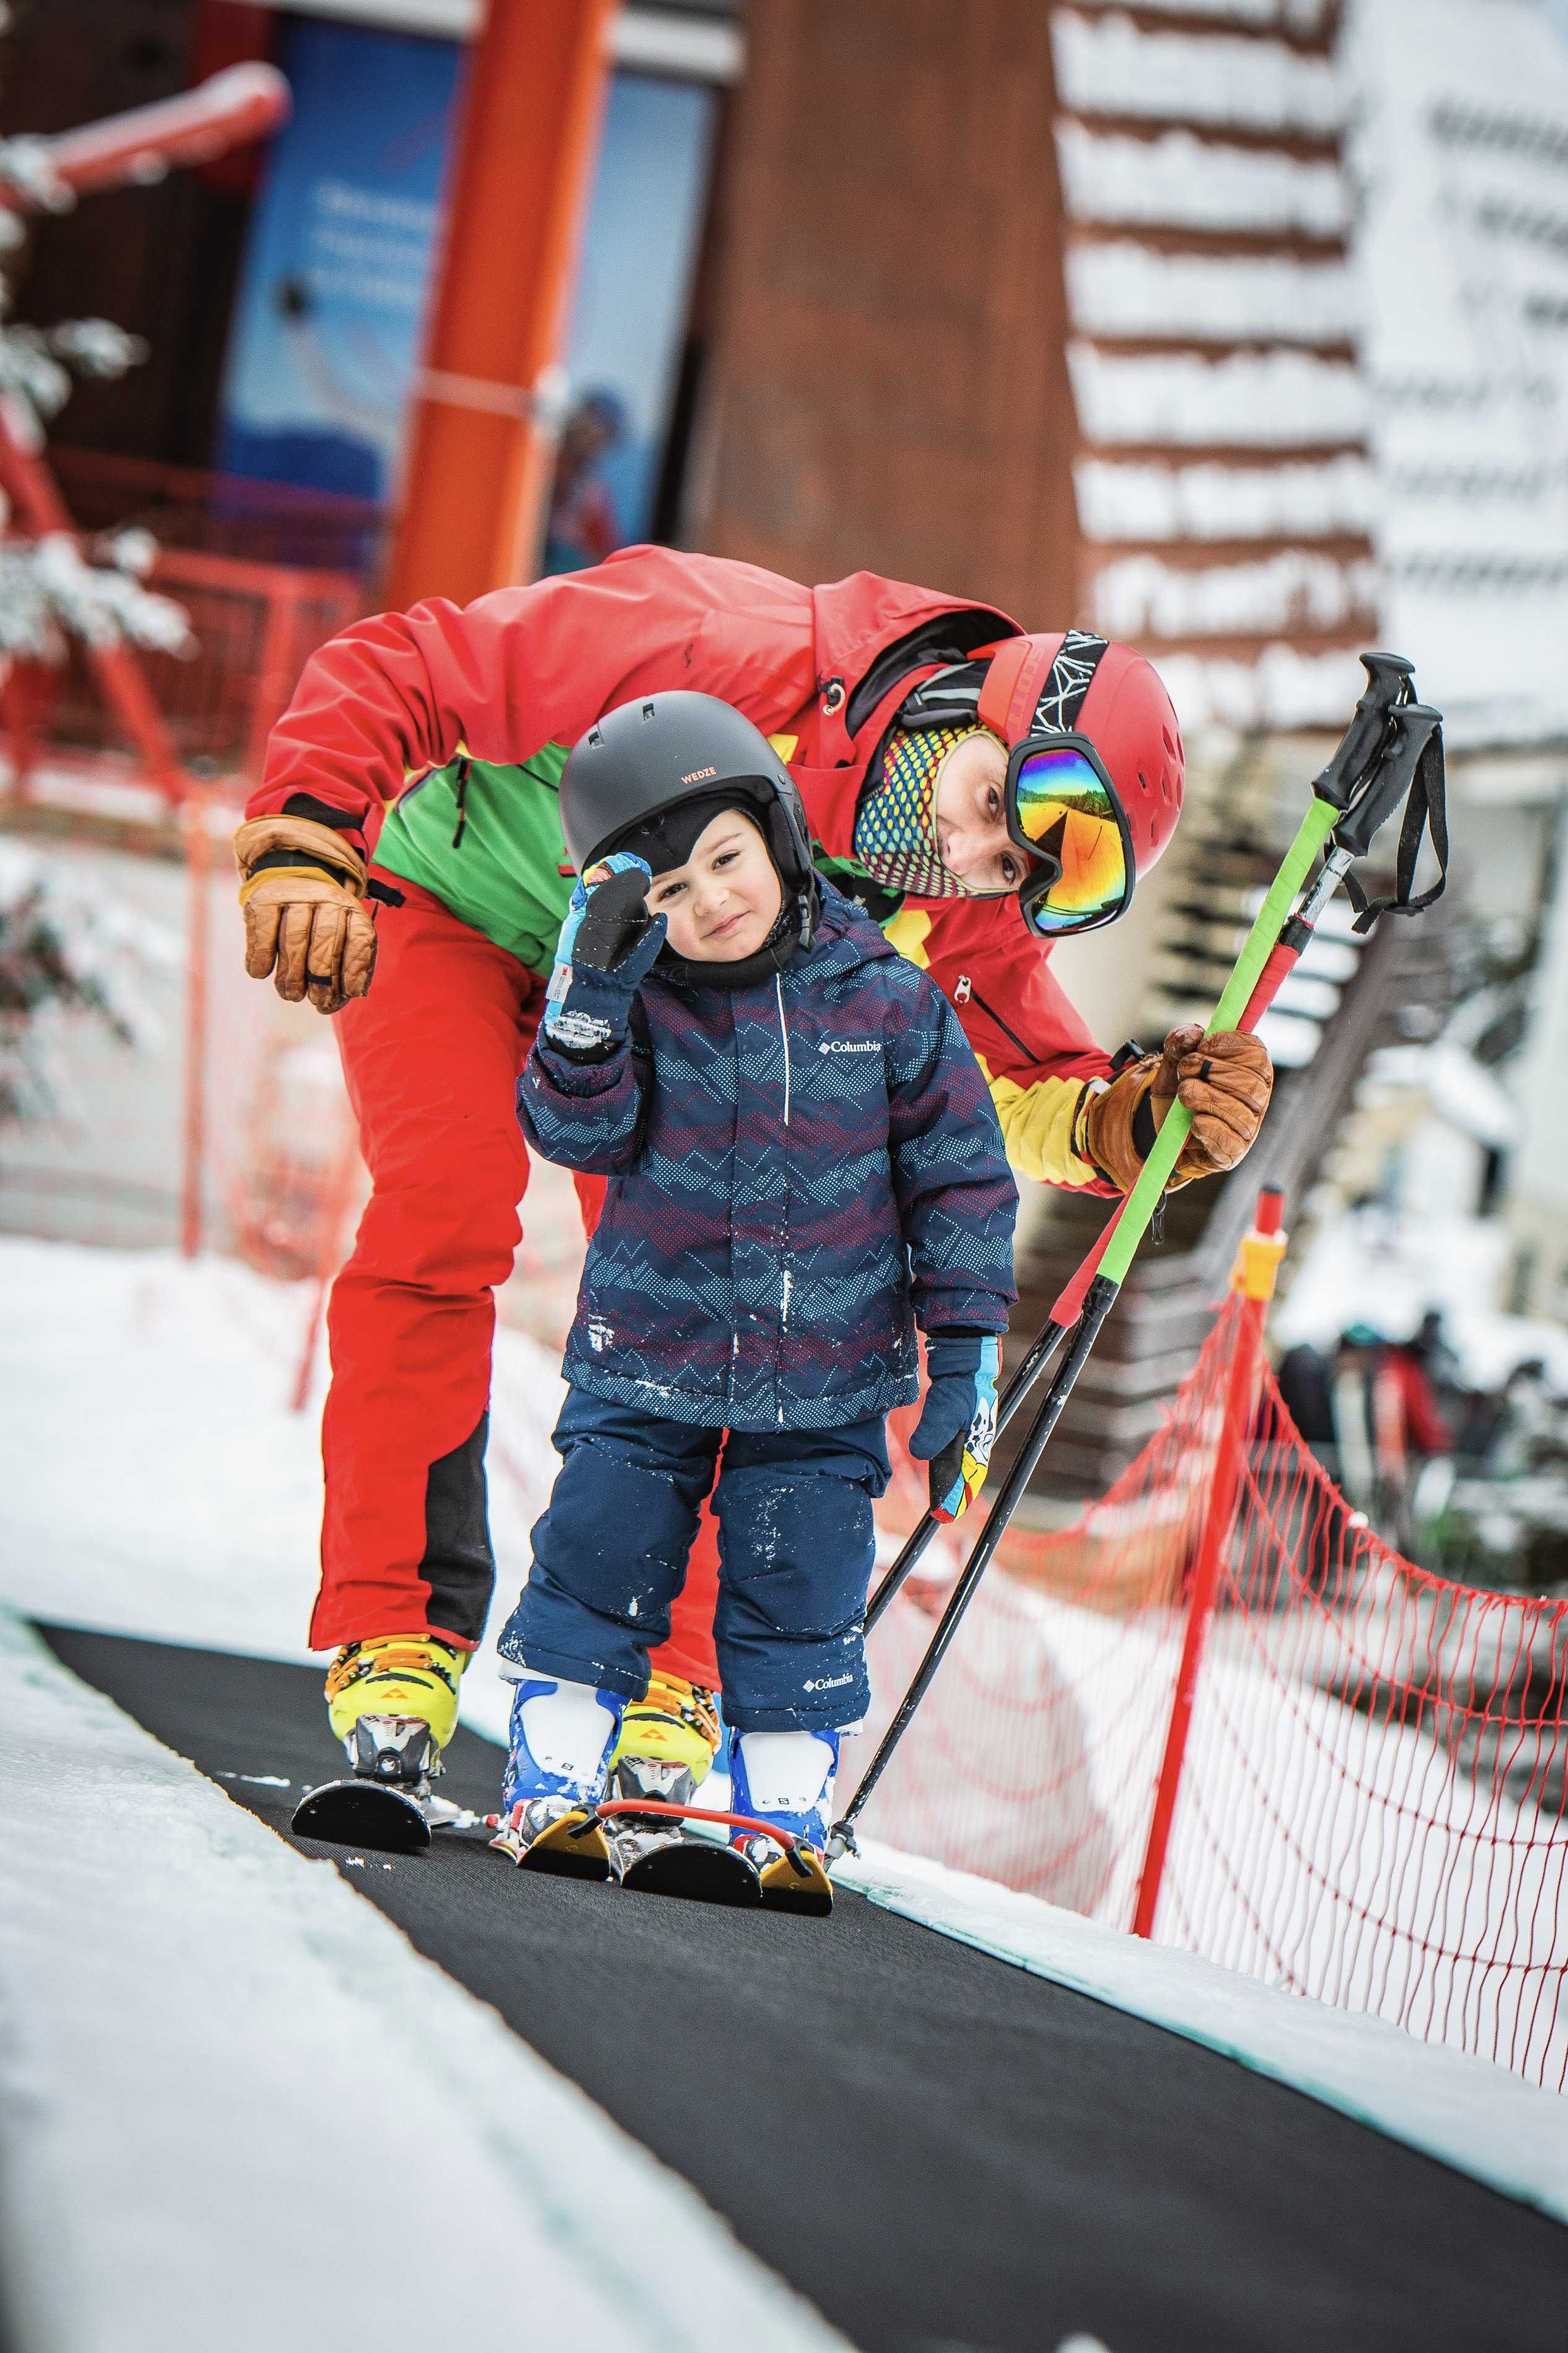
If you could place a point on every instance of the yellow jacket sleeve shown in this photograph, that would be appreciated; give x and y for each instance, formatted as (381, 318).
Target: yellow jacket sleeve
(1041, 1127)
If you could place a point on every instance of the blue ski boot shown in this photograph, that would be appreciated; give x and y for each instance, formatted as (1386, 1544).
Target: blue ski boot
(561, 1735)
(785, 1777)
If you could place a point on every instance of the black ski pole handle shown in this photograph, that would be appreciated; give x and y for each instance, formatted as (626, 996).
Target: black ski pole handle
(1388, 682)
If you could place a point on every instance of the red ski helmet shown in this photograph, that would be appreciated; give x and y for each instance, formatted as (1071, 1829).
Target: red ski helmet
(1095, 771)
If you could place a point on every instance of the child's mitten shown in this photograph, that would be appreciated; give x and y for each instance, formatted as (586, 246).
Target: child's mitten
(606, 944)
(957, 1427)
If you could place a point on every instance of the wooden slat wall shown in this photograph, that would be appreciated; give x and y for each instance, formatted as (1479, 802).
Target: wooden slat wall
(891, 385)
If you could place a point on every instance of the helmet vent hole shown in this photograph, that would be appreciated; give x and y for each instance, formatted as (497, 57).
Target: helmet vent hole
(1169, 745)
(648, 710)
(594, 736)
(1143, 781)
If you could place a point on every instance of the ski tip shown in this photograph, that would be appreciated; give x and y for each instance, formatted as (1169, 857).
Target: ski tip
(574, 1846)
(798, 1882)
(362, 1813)
(698, 1870)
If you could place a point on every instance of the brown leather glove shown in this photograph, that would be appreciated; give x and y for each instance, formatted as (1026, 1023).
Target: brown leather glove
(302, 890)
(1223, 1081)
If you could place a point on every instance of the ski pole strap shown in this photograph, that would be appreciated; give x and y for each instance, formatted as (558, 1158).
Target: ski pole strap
(1269, 921)
(1425, 811)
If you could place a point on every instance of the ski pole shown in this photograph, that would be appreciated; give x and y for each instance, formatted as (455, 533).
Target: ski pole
(1370, 774)
(1042, 1348)
(1343, 787)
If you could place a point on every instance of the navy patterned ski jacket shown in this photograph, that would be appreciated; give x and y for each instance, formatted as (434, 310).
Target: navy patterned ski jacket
(799, 1170)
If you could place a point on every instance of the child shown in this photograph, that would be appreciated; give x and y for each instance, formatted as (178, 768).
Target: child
(804, 1161)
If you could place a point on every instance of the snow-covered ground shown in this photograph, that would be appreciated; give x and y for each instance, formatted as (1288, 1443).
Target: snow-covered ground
(154, 1480)
(1460, 2109)
(227, 2087)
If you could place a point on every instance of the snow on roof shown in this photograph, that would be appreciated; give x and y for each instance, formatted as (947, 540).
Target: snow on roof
(1104, 65)
(1463, 155)
(1151, 500)
(1141, 596)
(1123, 288)
(1268, 400)
(1181, 181)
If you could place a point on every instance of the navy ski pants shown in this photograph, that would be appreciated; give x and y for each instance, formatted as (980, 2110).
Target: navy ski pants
(796, 1546)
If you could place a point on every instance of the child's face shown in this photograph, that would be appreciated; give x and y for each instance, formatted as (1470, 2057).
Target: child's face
(722, 904)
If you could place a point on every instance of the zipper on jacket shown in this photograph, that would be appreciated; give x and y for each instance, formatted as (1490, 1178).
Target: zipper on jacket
(975, 996)
(783, 1033)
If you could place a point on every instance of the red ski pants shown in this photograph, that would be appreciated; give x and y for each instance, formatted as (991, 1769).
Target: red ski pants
(432, 1057)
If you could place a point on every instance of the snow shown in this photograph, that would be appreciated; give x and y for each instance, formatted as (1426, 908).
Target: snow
(1149, 502)
(1104, 65)
(210, 2045)
(1284, 688)
(1141, 596)
(1466, 124)
(152, 1478)
(1458, 1265)
(1299, 15)
(1270, 399)
(1462, 2110)
(1183, 182)
(1122, 287)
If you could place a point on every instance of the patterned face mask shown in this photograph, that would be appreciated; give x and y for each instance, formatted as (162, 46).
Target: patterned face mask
(895, 830)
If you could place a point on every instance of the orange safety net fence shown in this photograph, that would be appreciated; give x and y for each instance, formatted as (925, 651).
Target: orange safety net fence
(1372, 1808)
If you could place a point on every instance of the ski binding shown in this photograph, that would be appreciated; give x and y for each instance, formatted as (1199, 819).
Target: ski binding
(384, 1803)
(781, 1873)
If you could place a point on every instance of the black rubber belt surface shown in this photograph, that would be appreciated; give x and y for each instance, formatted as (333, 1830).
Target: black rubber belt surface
(941, 2152)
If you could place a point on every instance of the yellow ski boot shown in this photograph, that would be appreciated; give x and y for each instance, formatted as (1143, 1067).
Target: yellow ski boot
(667, 1743)
(393, 1703)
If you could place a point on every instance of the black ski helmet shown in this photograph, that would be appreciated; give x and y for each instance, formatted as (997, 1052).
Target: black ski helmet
(647, 756)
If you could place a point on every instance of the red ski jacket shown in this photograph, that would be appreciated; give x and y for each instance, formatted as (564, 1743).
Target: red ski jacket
(436, 739)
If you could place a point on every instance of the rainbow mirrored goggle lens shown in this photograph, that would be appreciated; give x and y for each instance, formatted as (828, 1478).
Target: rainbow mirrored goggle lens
(1062, 810)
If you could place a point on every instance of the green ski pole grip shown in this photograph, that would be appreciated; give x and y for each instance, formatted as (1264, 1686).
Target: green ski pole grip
(1269, 921)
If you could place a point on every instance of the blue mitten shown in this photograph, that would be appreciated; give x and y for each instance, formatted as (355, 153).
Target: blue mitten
(957, 1427)
(606, 944)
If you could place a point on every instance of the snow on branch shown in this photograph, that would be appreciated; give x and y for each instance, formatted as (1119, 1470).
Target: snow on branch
(1126, 289)
(1273, 399)
(61, 953)
(1106, 66)
(1188, 182)
(1212, 502)
(47, 592)
(1141, 596)
(1282, 688)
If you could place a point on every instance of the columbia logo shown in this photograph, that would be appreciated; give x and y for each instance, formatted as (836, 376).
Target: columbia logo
(827, 1682)
(849, 1046)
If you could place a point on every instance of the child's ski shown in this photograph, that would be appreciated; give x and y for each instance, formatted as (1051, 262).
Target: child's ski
(781, 1873)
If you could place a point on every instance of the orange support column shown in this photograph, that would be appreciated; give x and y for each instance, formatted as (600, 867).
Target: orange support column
(483, 434)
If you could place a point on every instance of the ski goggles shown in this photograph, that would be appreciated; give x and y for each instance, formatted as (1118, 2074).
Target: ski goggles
(1062, 809)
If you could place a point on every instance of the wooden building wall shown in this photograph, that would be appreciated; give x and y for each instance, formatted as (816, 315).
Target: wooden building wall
(889, 387)
(1050, 305)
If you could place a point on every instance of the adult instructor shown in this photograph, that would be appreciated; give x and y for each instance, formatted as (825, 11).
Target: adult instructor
(984, 792)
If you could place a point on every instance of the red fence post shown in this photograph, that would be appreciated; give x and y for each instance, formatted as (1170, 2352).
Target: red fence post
(1256, 1264)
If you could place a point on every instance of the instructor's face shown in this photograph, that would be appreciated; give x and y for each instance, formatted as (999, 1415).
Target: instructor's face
(970, 827)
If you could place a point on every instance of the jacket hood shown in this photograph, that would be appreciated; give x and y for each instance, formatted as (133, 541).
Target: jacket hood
(858, 620)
